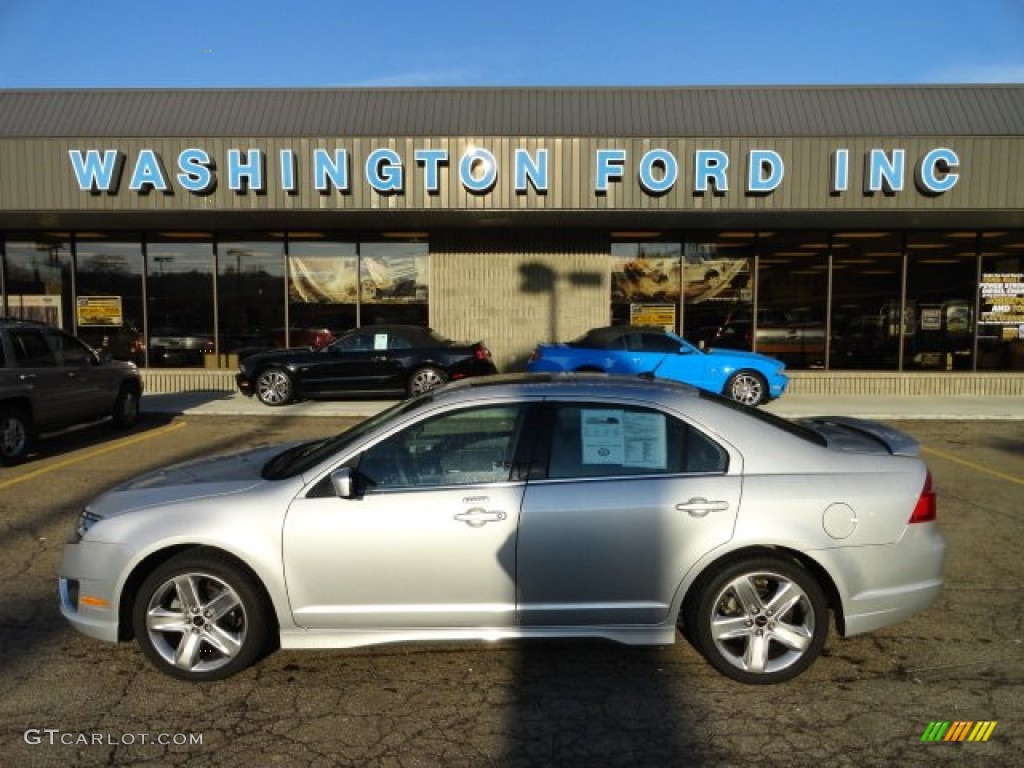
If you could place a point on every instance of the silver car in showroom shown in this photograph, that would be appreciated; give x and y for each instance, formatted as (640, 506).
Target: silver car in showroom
(545, 505)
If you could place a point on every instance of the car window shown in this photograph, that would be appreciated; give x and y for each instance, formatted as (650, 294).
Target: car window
(70, 351)
(658, 342)
(609, 441)
(31, 349)
(470, 446)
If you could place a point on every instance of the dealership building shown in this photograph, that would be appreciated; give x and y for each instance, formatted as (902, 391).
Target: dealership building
(868, 236)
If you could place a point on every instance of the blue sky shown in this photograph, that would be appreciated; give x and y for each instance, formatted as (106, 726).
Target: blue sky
(421, 43)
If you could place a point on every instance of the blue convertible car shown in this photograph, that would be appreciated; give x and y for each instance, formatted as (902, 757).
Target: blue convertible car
(746, 377)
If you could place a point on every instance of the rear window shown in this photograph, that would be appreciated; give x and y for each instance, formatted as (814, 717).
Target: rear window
(797, 430)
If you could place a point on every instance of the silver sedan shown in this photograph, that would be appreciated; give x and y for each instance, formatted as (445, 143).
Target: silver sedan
(559, 505)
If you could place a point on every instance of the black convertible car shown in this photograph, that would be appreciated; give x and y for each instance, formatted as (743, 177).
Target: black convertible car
(385, 359)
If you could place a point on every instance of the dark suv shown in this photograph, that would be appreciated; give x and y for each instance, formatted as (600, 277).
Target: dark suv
(50, 380)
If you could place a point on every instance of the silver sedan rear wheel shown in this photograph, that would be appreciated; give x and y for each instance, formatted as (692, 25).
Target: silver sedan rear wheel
(200, 618)
(426, 379)
(274, 387)
(748, 388)
(761, 620)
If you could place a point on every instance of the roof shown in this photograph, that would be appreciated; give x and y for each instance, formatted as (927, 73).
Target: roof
(784, 111)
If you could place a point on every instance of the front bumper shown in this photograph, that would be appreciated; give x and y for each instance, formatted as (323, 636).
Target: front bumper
(243, 384)
(88, 588)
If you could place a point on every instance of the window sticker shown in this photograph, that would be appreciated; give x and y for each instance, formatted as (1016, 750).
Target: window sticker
(380, 341)
(626, 438)
(601, 436)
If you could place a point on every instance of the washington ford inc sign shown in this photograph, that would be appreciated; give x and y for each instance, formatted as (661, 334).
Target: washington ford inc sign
(656, 171)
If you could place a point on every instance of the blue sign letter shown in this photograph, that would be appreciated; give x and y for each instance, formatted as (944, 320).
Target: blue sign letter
(148, 173)
(431, 160)
(883, 174)
(709, 169)
(477, 157)
(840, 180)
(532, 170)
(934, 174)
(287, 158)
(95, 175)
(609, 168)
(765, 172)
(669, 171)
(327, 170)
(384, 171)
(251, 171)
(195, 175)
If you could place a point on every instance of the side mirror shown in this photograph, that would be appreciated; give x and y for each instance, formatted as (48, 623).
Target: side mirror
(343, 483)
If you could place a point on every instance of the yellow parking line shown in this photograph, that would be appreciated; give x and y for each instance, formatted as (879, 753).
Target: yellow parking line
(92, 454)
(972, 465)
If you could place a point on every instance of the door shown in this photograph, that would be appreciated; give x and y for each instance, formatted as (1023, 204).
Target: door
(429, 538)
(91, 388)
(56, 402)
(632, 498)
(360, 361)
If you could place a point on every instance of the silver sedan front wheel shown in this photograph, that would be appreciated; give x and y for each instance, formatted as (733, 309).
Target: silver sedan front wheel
(200, 618)
(761, 620)
(274, 387)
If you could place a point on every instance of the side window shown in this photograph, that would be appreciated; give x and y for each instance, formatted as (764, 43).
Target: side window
(70, 351)
(31, 349)
(467, 447)
(605, 441)
(656, 342)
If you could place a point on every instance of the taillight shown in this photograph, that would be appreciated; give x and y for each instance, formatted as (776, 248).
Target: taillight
(482, 352)
(535, 355)
(925, 510)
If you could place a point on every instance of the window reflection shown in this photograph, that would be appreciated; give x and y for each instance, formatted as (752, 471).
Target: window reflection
(646, 280)
(394, 282)
(941, 268)
(180, 303)
(108, 305)
(866, 299)
(323, 289)
(38, 284)
(250, 297)
(719, 290)
(792, 295)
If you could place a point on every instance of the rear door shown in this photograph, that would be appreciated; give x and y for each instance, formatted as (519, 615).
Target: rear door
(630, 499)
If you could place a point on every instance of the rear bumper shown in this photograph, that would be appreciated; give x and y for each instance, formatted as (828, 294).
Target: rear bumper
(886, 584)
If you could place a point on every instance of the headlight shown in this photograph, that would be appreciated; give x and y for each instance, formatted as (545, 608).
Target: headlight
(86, 520)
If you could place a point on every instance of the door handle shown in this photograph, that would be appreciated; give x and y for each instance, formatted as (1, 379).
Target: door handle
(478, 516)
(26, 376)
(698, 507)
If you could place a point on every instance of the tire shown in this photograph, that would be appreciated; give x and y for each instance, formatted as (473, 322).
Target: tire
(274, 387)
(425, 379)
(17, 434)
(747, 387)
(126, 408)
(201, 617)
(759, 620)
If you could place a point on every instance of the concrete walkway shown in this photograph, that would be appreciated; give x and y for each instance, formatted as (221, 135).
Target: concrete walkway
(871, 407)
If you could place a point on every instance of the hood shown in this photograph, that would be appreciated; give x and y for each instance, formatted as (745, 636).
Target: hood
(200, 478)
(740, 354)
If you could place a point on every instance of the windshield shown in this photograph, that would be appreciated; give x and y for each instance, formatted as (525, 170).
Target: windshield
(301, 458)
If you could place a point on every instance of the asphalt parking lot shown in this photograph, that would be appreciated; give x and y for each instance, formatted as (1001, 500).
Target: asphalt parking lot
(69, 700)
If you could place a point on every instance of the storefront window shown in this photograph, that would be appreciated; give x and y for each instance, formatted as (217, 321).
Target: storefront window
(108, 304)
(38, 284)
(718, 290)
(1001, 302)
(323, 290)
(941, 274)
(792, 296)
(180, 302)
(867, 275)
(646, 283)
(394, 282)
(250, 297)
